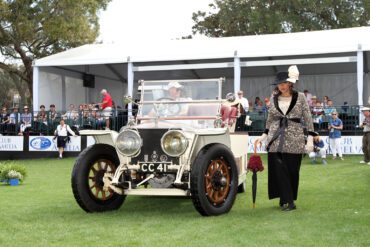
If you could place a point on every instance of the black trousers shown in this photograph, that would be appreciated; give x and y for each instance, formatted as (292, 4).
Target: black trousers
(283, 176)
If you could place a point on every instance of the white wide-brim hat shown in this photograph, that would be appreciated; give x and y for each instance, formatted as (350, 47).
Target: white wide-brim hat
(174, 84)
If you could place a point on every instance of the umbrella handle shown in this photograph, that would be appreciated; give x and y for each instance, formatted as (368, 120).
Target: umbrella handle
(255, 147)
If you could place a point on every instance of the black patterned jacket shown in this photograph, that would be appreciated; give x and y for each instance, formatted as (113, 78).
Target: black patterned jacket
(286, 132)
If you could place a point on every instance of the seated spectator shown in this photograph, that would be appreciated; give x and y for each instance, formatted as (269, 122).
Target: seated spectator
(313, 101)
(257, 101)
(97, 119)
(53, 116)
(41, 120)
(4, 120)
(260, 108)
(319, 150)
(15, 118)
(345, 107)
(325, 101)
(42, 115)
(71, 116)
(26, 120)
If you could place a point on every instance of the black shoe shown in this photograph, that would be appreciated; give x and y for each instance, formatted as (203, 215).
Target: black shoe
(289, 207)
(281, 204)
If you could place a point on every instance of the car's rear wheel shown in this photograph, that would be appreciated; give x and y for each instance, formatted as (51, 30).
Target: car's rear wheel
(87, 179)
(214, 180)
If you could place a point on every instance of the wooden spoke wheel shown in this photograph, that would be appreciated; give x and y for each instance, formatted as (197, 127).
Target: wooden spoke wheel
(96, 175)
(217, 182)
(87, 179)
(214, 180)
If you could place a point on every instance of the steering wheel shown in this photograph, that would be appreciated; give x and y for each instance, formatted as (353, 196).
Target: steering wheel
(167, 109)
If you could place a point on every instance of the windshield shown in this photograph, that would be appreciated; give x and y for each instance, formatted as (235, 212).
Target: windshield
(180, 99)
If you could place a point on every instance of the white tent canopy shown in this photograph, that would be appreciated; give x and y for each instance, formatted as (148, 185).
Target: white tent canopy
(333, 58)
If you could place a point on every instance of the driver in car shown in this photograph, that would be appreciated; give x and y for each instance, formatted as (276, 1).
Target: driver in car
(175, 92)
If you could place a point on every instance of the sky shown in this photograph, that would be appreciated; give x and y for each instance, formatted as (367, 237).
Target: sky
(149, 19)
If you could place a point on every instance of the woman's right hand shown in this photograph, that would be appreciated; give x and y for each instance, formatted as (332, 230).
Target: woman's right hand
(260, 139)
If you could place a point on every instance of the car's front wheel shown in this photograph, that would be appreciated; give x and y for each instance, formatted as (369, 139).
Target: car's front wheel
(87, 179)
(214, 180)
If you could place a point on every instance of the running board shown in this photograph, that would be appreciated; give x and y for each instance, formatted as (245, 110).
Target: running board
(156, 192)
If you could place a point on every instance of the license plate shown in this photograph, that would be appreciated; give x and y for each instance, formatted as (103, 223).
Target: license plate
(154, 167)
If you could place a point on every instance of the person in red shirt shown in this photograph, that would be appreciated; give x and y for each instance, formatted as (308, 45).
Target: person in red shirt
(106, 106)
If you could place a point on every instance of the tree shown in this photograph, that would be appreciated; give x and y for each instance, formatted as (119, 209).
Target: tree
(11, 85)
(32, 29)
(250, 17)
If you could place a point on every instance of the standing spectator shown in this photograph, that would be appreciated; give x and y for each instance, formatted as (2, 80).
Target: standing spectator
(61, 133)
(244, 108)
(366, 137)
(335, 127)
(308, 96)
(267, 103)
(317, 113)
(106, 106)
(244, 102)
(26, 119)
(285, 137)
(319, 149)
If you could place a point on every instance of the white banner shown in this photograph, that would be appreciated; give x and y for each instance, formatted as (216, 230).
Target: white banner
(11, 143)
(48, 143)
(350, 144)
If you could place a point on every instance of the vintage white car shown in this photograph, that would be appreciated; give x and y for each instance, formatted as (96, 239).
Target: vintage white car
(178, 145)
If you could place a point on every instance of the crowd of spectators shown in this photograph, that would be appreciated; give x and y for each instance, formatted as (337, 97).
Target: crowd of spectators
(90, 116)
(44, 122)
(321, 111)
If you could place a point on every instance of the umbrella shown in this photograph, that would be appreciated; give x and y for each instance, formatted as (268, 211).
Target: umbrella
(255, 165)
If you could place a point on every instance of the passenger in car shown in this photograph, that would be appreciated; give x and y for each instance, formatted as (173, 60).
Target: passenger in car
(230, 110)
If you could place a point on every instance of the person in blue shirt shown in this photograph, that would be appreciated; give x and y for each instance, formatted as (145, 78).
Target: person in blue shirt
(319, 149)
(335, 127)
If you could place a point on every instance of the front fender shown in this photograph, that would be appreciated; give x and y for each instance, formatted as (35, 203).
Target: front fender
(102, 136)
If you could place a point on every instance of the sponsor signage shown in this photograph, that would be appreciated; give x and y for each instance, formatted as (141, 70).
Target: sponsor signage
(11, 143)
(350, 144)
(48, 143)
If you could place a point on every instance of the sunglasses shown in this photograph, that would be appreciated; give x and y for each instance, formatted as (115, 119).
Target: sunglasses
(333, 114)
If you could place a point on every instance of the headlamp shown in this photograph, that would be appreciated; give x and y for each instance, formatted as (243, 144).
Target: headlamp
(129, 142)
(174, 143)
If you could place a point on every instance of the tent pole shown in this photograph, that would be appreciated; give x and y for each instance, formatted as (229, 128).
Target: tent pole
(360, 74)
(130, 83)
(236, 72)
(35, 88)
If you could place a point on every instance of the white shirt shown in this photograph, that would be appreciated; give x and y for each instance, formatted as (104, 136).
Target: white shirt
(284, 103)
(62, 131)
(245, 104)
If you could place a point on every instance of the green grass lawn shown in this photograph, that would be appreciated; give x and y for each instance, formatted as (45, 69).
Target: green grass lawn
(333, 210)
